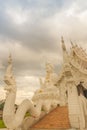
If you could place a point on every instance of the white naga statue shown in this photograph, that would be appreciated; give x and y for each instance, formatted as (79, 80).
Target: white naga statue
(64, 90)
(14, 120)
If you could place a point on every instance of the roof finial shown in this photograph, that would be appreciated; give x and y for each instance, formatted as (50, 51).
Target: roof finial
(63, 44)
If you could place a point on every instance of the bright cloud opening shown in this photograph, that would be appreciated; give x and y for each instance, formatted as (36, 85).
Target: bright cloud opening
(17, 15)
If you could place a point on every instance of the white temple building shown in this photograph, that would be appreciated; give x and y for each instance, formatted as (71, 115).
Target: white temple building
(68, 89)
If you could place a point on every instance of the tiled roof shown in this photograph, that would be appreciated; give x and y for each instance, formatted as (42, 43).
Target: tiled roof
(58, 118)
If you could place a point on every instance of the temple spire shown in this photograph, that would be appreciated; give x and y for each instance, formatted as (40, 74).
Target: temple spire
(10, 59)
(65, 54)
(72, 43)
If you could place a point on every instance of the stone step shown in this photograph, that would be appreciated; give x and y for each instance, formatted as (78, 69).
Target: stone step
(58, 118)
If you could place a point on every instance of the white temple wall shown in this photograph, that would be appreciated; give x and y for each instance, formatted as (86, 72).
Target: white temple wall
(63, 98)
(76, 116)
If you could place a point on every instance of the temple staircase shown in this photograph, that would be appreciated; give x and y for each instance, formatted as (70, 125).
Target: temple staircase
(57, 118)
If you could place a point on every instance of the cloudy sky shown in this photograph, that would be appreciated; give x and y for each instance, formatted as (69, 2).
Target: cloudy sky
(31, 31)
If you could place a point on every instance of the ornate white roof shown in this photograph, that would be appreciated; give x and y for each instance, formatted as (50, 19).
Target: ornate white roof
(79, 52)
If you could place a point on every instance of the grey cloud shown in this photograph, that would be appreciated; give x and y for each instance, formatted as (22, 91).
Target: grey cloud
(30, 38)
(28, 33)
(34, 35)
(38, 39)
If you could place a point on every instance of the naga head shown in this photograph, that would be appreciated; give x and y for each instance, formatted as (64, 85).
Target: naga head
(9, 77)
